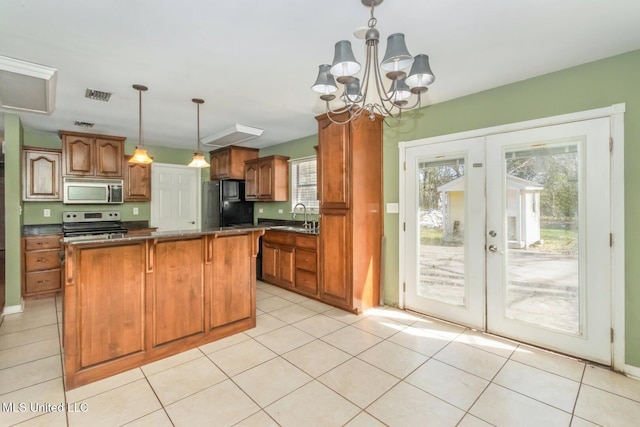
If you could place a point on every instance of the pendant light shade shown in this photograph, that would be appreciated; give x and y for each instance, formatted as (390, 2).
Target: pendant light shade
(198, 158)
(140, 154)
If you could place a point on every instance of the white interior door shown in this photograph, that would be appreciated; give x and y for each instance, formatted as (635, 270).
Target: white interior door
(444, 261)
(548, 224)
(175, 197)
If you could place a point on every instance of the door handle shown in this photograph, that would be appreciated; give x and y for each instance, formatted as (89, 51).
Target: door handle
(493, 248)
(192, 222)
(492, 233)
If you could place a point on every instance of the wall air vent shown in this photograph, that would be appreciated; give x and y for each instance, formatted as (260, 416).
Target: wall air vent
(84, 124)
(98, 95)
(233, 135)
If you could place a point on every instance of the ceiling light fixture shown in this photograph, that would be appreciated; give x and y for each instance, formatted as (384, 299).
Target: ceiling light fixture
(140, 154)
(390, 102)
(198, 158)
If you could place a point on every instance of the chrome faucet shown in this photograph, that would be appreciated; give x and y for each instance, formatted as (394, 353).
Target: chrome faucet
(305, 224)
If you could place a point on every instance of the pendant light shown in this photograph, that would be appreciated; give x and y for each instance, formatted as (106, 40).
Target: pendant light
(198, 158)
(140, 154)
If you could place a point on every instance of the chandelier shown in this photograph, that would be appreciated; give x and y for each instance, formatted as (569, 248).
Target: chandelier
(357, 99)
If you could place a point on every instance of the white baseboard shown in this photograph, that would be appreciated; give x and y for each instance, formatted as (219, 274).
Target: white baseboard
(13, 309)
(632, 371)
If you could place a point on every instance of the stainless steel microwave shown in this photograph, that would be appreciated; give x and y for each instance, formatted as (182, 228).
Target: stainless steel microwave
(83, 191)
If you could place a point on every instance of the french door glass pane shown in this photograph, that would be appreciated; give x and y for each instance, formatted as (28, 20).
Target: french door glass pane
(542, 231)
(441, 217)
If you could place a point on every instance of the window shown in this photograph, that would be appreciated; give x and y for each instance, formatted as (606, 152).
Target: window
(304, 184)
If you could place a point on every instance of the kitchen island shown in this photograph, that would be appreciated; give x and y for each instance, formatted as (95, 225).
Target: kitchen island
(131, 300)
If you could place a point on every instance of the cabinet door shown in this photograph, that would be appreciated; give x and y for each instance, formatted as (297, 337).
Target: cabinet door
(335, 257)
(109, 154)
(41, 171)
(251, 181)
(214, 173)
(306, 278)
(286, 263)
(223, 163)
(137, 181)
(265, 182)
(269, 263)
(333, 186)
(78, 154)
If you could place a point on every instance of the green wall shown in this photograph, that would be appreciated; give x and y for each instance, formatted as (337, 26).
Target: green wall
(295, 149)
(594, 85)
(13, 135)
(34, 211)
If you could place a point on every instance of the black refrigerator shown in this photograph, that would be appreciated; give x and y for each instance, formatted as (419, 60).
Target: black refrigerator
(223, 204)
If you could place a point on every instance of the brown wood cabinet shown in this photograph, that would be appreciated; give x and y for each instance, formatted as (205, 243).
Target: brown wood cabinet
(289, 260)
(267, 179)
(228, 162)
(306, 279)
(41, 174)
(167, 295)
(137, 181)
(278, 258)
(41, 269)
(91, 155)
(351, 216)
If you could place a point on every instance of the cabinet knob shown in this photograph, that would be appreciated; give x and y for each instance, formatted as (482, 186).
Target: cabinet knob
(42, 281)
(40, 260)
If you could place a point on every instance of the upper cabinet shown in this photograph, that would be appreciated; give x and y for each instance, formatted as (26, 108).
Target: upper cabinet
(41, 174)
(228, 162)
(89, 155)
(267, 179)
(137, 181)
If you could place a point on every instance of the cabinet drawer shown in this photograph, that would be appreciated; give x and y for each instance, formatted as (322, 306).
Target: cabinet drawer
(306, 241)
(282, 237)
(42, 281)
(306, 260)
(42, 260)
(306, 281)
(42, 242)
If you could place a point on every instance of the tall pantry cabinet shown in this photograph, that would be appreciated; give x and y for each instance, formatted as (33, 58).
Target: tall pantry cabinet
(351, 216)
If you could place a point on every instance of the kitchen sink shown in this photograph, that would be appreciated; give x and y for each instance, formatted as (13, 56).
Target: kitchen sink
(295, 229)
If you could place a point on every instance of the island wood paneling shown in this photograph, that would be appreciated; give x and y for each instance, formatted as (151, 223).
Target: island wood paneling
(232, 296)
(111, 293)
(132, 301)
(178, 296)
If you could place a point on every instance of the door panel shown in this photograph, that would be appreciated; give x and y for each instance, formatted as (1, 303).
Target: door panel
(175, 197)
(549, 206)
(445, 213)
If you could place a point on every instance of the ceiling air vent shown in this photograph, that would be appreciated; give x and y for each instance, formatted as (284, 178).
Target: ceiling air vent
(84, 124)
(233, 135)
(98, 95)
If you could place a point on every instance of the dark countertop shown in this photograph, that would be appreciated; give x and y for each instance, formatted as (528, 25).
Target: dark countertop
(41, 229)
(162, 235)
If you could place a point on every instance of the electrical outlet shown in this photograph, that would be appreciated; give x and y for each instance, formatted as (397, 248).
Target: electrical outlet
(260, 210)
(280, 211)
(135, 211)
(47, 213)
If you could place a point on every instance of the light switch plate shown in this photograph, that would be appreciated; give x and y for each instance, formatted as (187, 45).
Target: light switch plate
(260, 210)
(392, 208)
(47, 213)
(135, 211)
(280, 210)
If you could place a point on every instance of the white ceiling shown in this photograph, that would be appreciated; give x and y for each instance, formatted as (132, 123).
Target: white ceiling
(253, 62)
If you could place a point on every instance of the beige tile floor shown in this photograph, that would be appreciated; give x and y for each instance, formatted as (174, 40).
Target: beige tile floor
(308, 364)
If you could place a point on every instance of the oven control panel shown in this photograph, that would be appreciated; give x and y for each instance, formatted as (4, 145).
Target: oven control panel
(90, 216)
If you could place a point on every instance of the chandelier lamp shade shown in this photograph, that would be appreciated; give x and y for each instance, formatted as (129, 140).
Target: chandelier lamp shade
(198, 157)
(356, 94)
(140, 154)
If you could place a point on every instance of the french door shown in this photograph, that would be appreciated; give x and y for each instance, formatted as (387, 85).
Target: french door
(509, 233)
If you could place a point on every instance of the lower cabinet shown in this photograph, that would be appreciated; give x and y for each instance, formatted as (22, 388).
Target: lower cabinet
(131, 302)
(41, 268)
(289, 260)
